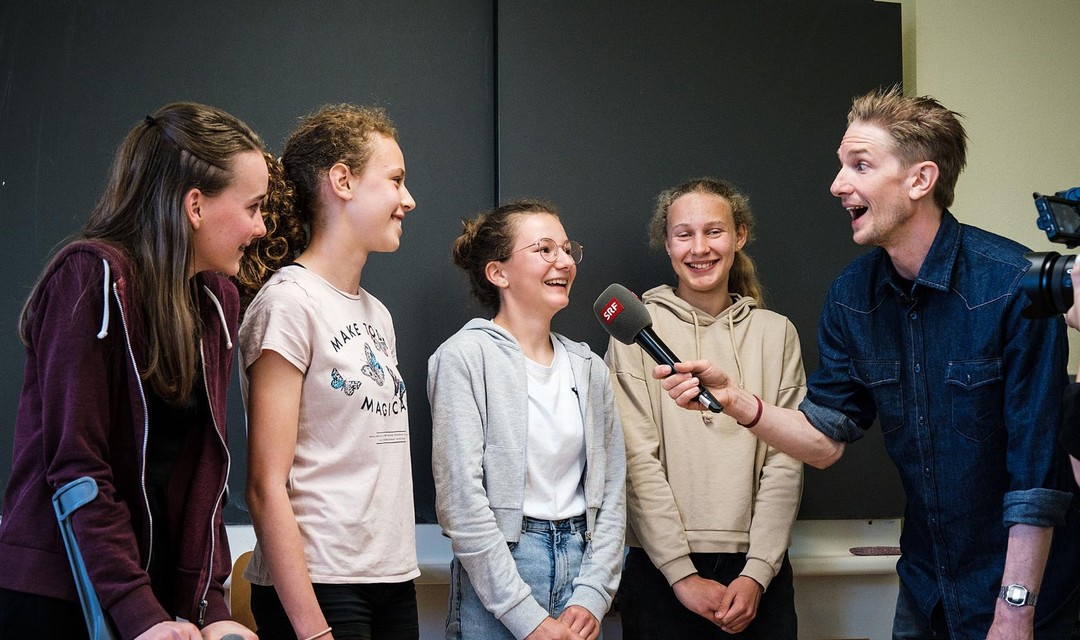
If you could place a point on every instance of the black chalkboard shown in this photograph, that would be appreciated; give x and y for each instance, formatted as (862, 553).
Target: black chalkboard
(595, 106)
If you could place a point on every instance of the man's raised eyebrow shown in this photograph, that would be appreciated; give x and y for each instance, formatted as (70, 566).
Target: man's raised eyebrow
(860, 150)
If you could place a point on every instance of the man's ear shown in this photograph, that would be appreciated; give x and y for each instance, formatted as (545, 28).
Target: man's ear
(193, 200)
(337, 178)
(924, 177)
(495, 275)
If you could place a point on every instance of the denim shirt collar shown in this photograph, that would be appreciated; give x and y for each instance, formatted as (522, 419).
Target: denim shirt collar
(940, 263)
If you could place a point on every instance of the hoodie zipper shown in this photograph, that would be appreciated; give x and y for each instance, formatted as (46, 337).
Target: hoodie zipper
(584, 418)
(203, 604)
(221, 491)
(146, 426)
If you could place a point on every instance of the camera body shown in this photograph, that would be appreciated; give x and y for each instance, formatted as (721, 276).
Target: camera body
(1059, 216)
(1048, 281)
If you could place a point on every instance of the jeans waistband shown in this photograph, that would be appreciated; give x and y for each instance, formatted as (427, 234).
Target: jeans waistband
(573, 524)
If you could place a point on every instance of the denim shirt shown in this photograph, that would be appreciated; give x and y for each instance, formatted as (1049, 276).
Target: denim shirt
(968, 396)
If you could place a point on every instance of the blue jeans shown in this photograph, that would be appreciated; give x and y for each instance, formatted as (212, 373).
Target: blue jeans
(650, 610)
(548, 557)
(369, 611)
(910, 623)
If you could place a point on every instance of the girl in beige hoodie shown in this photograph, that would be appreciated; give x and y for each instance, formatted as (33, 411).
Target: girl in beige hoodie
(709, 507)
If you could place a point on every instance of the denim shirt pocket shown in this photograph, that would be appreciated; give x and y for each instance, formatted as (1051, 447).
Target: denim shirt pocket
(882, 379)
(975, 397)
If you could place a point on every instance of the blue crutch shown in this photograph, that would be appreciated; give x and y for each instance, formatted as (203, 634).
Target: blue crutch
(66, 501)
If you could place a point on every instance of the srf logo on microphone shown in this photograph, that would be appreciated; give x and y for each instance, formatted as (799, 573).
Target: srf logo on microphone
(612, 311)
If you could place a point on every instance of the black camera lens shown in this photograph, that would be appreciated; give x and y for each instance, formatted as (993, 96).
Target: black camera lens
(1048, 284)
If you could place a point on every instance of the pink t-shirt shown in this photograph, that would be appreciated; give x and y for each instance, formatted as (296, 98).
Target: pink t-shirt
(350, 485)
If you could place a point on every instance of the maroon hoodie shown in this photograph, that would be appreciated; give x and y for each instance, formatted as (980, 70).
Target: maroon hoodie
(82, 412)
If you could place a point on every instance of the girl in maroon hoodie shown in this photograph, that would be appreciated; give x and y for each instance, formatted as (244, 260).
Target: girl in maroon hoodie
(128, 337)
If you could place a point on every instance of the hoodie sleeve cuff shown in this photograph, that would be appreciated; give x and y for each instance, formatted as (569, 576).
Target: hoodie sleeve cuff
(590, 599)
(137, 611)
(678, 569)
(760, 571)
(524, 618)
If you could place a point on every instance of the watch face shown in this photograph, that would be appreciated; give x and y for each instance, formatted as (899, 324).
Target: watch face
(1016, 595)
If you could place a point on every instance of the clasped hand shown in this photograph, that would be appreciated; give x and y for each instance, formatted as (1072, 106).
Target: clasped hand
(575, 623)
(732, 607)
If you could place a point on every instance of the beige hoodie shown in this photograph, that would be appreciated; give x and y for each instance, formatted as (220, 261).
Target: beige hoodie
(699, 482)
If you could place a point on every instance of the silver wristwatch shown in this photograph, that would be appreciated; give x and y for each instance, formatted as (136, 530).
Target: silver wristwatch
(1017, 595)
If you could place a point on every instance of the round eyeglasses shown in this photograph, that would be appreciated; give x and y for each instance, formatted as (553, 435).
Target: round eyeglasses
(549, 251)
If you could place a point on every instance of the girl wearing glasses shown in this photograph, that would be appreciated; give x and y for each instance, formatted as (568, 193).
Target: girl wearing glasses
(710, 507)
(527, 449)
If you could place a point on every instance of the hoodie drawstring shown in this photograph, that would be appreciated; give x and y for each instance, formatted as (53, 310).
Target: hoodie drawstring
(104, 332)
(734, 349)
(221, 315)
(706, 417)
(105, 299)
(105, 311)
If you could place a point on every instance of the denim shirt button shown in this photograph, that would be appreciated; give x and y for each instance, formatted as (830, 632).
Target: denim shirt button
(926, 471)
(918, 368)
(914, 315)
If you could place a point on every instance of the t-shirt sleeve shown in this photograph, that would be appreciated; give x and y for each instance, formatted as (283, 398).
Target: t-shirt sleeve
(278, 320)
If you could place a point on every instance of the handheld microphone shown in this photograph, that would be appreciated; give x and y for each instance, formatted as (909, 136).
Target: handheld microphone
(628, 321)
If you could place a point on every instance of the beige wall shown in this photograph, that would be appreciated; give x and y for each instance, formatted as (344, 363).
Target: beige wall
(1012, 67)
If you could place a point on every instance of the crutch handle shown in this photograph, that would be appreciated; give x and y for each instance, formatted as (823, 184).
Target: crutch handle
(66, 501)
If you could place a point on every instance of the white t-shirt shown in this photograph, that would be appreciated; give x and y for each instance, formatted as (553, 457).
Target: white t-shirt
(350, 485)
(555, 459)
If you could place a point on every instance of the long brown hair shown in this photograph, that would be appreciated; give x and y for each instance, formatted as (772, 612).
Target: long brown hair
(743, 278)
(181, 146)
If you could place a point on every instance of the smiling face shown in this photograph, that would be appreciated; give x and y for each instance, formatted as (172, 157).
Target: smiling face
(701, 241)
(874, 186)
(526, 281)
(223, 225)
(380, 197)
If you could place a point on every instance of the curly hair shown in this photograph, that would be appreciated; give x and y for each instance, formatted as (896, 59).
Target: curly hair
(335, 133)
(743, 278)
(487, 237)
(270, 252)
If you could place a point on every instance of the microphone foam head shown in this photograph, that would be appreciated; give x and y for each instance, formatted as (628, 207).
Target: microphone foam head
(621, 313)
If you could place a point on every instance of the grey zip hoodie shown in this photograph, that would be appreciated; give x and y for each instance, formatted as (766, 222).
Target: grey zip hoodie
(479, 408)
(698, 482)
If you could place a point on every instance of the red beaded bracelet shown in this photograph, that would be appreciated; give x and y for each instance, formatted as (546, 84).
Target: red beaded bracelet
(760, 408)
